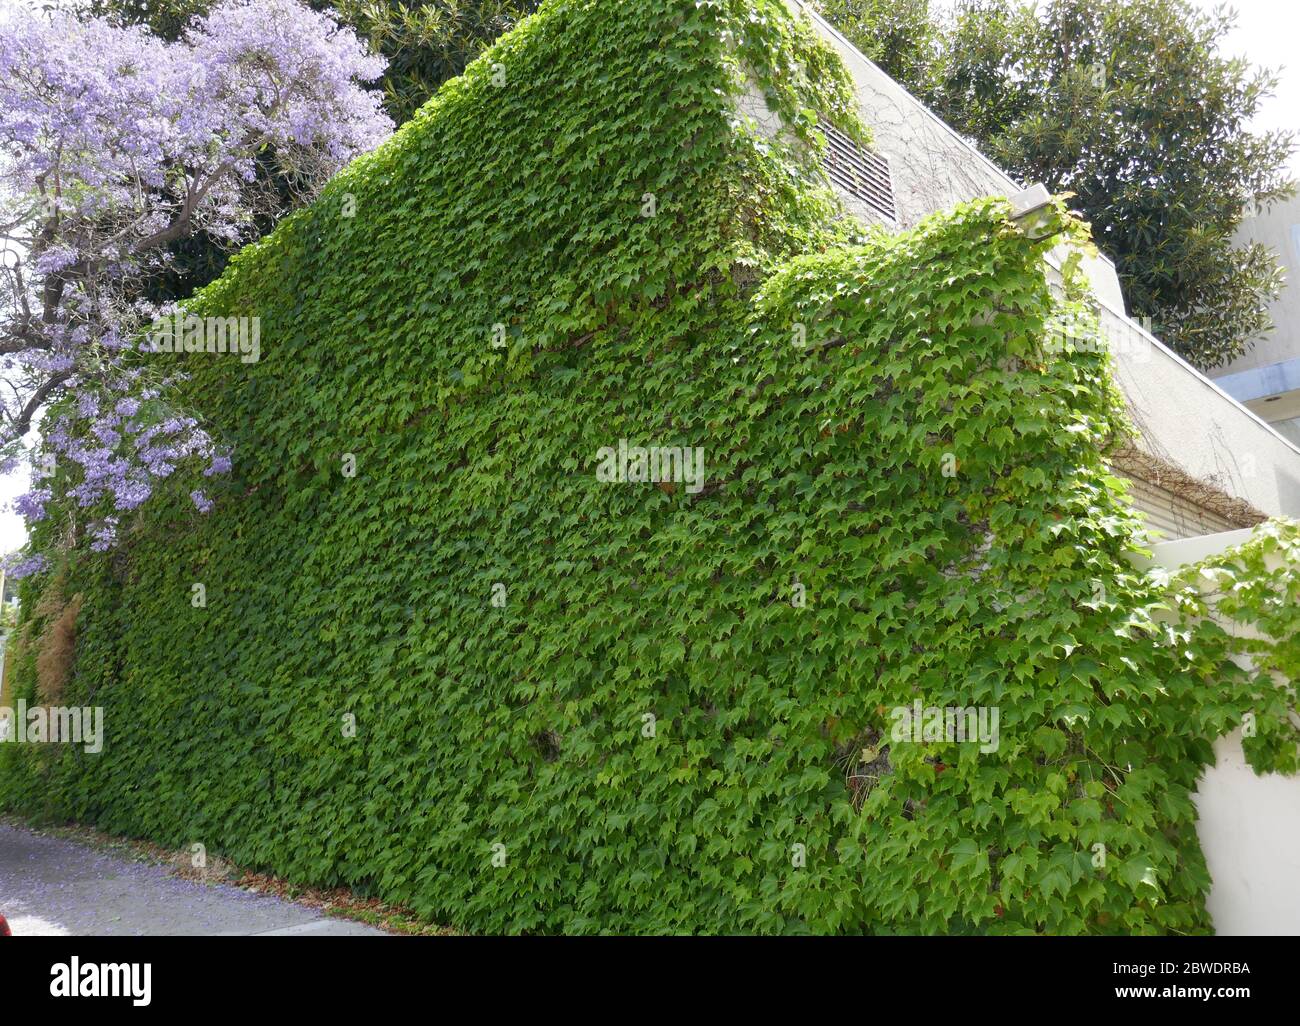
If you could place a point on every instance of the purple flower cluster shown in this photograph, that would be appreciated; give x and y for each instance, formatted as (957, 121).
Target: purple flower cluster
(113, 144)
(111, 450)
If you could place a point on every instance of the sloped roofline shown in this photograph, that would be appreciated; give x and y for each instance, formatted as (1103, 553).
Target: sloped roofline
(804, 7)
(965, 143)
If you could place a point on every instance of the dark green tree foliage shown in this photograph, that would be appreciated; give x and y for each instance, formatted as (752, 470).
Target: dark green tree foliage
(656, 730)
(1131, 105)
(166, 19)
(898, 35)
(428, 42)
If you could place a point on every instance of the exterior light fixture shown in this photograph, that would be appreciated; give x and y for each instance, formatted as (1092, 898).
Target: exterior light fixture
(1030, 210)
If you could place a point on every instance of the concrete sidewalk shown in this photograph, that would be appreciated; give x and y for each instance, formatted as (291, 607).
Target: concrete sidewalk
(54, 886)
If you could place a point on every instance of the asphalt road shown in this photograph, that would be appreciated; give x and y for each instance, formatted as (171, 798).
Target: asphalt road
(54, 886)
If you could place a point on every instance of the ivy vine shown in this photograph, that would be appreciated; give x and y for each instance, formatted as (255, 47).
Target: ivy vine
(580, 705)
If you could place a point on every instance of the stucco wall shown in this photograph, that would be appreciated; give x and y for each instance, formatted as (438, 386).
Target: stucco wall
(1250, 832)
(1184, 419)
(931, 166)
(1278, 227)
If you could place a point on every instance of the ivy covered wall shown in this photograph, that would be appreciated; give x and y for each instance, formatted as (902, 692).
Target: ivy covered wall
(440, 657)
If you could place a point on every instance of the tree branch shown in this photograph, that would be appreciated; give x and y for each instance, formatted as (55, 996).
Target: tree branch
(23, 423)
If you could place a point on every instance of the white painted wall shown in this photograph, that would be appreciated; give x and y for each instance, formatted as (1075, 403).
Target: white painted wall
(1278, 228)
(1250, 832)
(1249, 826)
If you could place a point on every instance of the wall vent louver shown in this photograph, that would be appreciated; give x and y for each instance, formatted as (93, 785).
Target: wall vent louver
(864, 175)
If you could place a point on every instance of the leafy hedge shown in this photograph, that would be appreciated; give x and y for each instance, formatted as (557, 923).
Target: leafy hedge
(675, 716)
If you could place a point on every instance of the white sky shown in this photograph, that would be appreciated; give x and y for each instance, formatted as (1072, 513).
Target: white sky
(1267, 33)
(12, 531)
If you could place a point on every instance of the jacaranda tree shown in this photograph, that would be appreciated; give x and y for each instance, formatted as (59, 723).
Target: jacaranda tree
(426, 42)
(116, 144)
